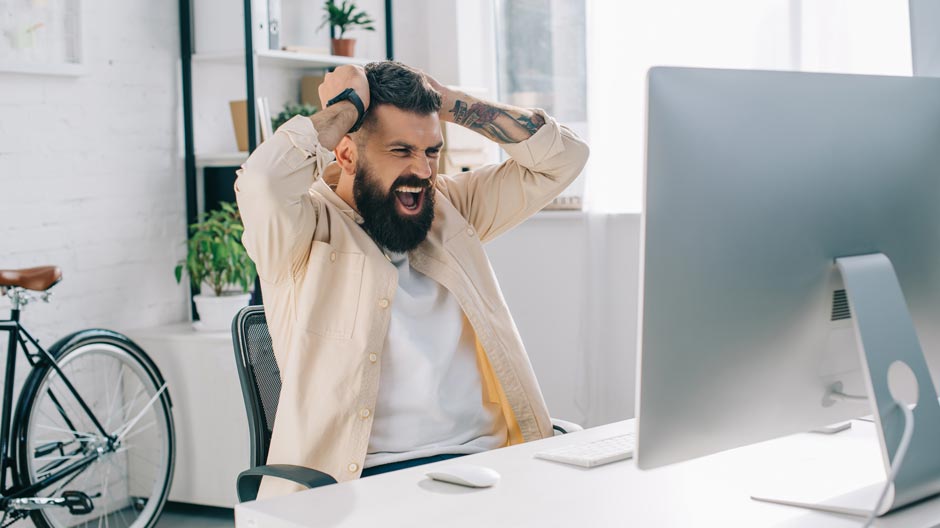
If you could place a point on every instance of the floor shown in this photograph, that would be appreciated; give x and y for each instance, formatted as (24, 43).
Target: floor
(181, 515)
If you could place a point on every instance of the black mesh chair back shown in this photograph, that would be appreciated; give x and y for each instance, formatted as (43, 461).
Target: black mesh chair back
(259, 376)
(261, 388)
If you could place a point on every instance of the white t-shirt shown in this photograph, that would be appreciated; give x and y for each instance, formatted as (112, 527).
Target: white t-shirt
(430, 399)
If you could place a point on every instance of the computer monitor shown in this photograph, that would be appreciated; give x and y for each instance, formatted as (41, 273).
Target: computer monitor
(756, 183)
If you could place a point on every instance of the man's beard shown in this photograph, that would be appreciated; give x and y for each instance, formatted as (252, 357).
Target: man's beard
(380, 216)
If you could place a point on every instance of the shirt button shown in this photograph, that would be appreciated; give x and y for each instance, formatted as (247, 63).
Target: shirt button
(352, 467)
(373, 358)
(333, 256)
(364, 413)
(470, 231)
(383, 303)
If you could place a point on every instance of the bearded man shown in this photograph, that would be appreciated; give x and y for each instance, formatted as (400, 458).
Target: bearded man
(393, 340)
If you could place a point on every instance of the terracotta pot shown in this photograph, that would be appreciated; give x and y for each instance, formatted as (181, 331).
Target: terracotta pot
(344, 47)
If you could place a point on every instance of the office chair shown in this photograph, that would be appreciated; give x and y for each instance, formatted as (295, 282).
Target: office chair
(261, 386)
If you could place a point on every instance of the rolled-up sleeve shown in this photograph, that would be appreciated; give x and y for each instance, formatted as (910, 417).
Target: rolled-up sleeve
(273, 192)
(496, 198)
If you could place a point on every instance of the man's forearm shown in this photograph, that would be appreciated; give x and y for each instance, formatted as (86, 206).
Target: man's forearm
(498, 122)
(333, 123)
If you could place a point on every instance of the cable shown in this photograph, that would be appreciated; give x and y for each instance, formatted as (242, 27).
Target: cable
(834, 393)
(898, 459)
(839, 395)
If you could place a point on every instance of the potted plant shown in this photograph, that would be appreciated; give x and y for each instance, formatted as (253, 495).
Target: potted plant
(290, 110)
(219, 266)
(341, 18)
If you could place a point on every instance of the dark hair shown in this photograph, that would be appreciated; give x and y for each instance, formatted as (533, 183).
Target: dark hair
(401, 86)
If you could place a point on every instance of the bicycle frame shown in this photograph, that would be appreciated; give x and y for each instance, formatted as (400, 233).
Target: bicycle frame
(18, 338)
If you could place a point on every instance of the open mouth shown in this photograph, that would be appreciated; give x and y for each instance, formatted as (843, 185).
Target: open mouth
(410, 199)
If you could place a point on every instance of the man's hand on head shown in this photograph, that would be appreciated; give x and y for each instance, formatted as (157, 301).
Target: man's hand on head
(441, 89)
(498, 122)
(334, 123)
(349, 76)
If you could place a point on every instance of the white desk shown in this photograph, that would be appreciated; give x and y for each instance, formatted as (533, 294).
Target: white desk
(710, 491)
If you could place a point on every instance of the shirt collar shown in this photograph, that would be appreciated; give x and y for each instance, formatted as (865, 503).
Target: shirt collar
(327, 192)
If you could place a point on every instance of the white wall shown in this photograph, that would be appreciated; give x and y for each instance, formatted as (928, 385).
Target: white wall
(91, 177)
(571, 281)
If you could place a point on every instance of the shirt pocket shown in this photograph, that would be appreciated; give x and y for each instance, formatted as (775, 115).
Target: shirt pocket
(471, 259)
(328, 298)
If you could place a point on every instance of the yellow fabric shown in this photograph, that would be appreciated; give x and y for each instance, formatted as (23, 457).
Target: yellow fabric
(495, 394)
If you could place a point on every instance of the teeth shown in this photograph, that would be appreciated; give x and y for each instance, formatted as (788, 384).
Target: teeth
(409, 189)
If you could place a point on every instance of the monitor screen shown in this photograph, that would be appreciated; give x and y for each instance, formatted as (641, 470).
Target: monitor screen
(756, 182)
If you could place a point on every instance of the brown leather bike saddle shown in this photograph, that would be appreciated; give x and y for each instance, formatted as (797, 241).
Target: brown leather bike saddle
(37, 279)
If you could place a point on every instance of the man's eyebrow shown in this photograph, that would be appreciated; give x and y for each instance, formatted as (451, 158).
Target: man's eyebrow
(409, 146)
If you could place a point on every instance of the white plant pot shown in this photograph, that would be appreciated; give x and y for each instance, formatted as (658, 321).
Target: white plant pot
(216, 313)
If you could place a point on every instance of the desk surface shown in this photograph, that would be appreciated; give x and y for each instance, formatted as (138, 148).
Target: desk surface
(710, 491)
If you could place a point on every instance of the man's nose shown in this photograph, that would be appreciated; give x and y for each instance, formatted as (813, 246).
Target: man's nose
(421, 166)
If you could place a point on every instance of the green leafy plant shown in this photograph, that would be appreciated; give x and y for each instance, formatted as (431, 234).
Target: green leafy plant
(290, 110)
(344, 17)
(216, 256)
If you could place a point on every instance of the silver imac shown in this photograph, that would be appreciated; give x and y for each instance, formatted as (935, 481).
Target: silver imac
(790, 257)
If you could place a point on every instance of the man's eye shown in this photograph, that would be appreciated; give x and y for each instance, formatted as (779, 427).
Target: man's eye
(433, 153)
(400, 151)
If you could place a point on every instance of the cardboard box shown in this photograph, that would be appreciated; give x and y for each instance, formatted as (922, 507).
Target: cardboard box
(240, 123)
(308, 90)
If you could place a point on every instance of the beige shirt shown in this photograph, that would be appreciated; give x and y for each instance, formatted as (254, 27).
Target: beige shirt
(328, 287)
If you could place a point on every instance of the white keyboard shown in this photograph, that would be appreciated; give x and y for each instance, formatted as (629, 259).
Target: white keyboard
(591, 454)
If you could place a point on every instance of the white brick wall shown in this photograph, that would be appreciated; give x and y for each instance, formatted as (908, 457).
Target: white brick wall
(91, 175)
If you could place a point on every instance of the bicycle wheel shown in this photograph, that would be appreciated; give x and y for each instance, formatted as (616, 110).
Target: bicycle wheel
(129, 480)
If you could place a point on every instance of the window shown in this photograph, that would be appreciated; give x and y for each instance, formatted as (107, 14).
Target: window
(626, 38)
(542, 63)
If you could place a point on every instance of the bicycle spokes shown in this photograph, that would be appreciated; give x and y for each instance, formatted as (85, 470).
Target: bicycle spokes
(123, 471)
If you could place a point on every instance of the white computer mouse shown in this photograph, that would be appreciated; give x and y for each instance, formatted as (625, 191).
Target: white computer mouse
(466, 475)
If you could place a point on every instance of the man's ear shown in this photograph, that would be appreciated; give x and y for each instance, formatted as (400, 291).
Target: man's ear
(347, 154)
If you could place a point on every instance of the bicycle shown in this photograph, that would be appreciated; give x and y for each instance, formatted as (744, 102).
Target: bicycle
(91, 441)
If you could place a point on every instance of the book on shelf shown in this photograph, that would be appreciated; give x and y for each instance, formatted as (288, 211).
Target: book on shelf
(264, 117)
(259, 19)
(274, 24)
(306, 50)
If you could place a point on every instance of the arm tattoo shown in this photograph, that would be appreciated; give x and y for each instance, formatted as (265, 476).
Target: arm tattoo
(501, 124)
(533, 123)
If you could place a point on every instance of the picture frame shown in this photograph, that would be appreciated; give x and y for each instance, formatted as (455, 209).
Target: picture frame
(42, 37)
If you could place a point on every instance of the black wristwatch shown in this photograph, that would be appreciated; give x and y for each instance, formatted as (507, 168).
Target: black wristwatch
(350, 95)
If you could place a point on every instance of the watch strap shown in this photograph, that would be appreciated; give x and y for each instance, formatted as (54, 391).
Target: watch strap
(350, 95)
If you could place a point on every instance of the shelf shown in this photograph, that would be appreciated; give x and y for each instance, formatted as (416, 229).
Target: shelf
(221, 159)
(284, 59)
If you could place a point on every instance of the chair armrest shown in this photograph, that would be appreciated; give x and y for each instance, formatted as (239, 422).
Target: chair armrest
(564, 426)
(250, 480)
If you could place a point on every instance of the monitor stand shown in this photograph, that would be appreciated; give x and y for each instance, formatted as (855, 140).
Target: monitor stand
(885, 334)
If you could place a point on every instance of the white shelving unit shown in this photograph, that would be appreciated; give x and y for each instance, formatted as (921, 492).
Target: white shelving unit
(280, 58)
(220, 159)
(286, 65)
(294, 63)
